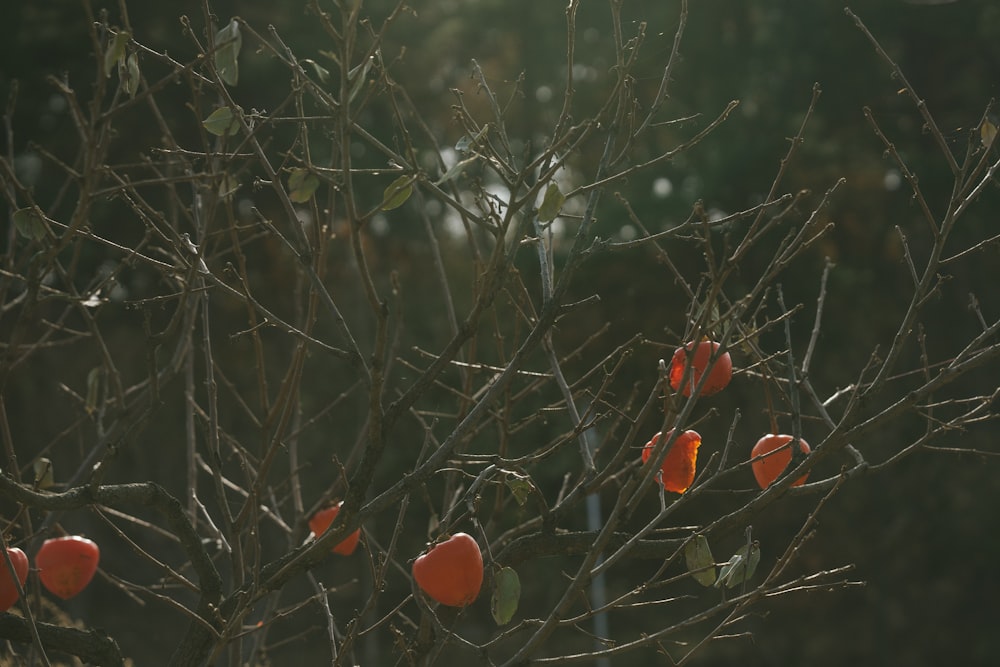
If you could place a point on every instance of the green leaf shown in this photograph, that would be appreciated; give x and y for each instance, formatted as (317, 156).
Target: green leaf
(456, 169)
(467, 143)
(357, 77)
(740, 567)
(93, 388)
(699, 560)
(221, 122)
(520, 486)
(551, 203)
(506, 595)
(228, 43)
(43, 473)
(130, 75)
(228, 186)
(115, 52)
(29, 224)
(322, 73)
(397, 193)
(301, 185)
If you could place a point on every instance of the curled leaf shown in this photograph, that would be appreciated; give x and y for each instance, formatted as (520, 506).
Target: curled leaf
(43, 473)
(520, 486)
(116, 51)
(740, 566)
(130, 75)
(93, 389)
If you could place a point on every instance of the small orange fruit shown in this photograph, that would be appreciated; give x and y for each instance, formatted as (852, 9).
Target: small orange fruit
(769, 468)
(451, 572)
(67, 564)
(321, 521)
(678, 467)
(701, 355)
(8, 591)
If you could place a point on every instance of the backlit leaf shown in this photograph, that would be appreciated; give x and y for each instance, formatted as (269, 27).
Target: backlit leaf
(740, 567)
(520, 486)
(397, 193)
(699, 560)
(130, 75)
(116, 51)
(29, 224)
(506, 595)
(551, 203)
(301, 185)
(228, 43)
(93, 388)
(456, 169)
(43, 473)
(221, 122)
(322, 73)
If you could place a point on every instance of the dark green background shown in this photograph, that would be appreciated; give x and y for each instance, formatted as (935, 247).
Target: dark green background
(924, 534)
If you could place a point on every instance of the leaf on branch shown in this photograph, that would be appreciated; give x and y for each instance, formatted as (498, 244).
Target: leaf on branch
(228, 186)
(396, 194)
(29, 224)
(456, 169)
(221, 122)
(520, 486)
(467, 143)
(93, 388)
(130, 75)
(699, 560)
(357, 77)
(228, 43)
(506, 595)
(322, 73)
(551, 203)
(740, 567)
(301, 185)
(115, 52)
(43, 473)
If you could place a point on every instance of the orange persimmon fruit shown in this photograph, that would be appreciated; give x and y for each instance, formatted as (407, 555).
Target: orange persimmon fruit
(773, 463)
(701, 355)
(8, 589)
(451, 572)
(321, 521)
(679, 464)
(67, 564)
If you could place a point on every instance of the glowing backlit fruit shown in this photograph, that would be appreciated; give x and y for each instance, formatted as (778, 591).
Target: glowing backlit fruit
(322, 519)
(67, 564)
(8, 590)
(769, 468)
(678, 467)
(451, 572)
(718, 376)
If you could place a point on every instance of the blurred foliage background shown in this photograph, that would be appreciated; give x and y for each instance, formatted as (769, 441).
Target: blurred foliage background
(923, 534)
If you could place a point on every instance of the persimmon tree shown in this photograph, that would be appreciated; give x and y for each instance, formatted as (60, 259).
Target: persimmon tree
(325, 301)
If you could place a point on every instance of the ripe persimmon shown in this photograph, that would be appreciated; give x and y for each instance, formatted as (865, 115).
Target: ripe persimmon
(67, 564)
(769, 468)
(701, 355)
(451, 572)
(321, 521)
(8, 590)
(678, 467)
